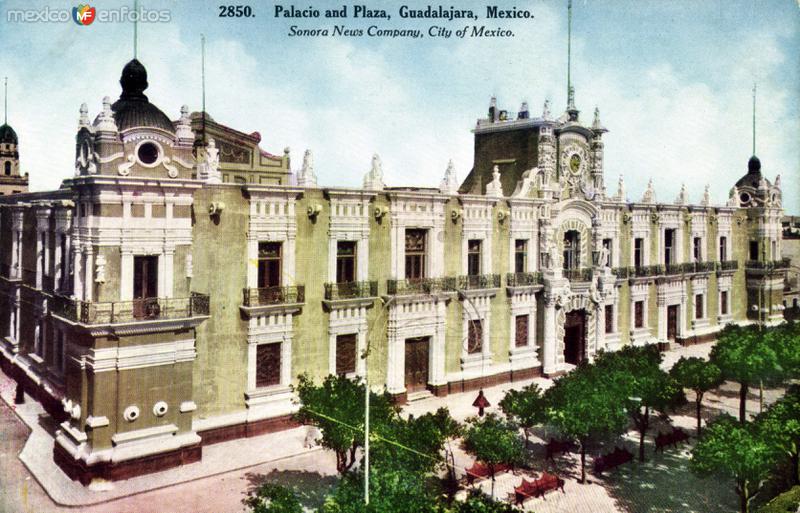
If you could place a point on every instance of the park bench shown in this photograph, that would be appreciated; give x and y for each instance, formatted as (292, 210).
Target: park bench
(675, 437)
(554, 447)
(538, 487)
(613, 459)
(480, 470)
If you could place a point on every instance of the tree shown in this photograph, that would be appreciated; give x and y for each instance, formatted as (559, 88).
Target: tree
(479, 502)
(779, 425)
(336, 407)
(273, 498)
(583, 406)
(415, 444)
(698, 375)
(784, 339)
(493, 440)
(733, 449)
(637, 379)
(743, 356)
(388, 489)
(526, 407)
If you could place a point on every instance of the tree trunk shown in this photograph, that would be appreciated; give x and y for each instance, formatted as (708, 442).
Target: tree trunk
(796, 467)
(743, 402)
(643, 425)
(744, 496)
(698, 400)
(525, 432)
(583, 462)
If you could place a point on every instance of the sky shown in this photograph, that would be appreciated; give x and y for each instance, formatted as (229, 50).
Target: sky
(672, 79)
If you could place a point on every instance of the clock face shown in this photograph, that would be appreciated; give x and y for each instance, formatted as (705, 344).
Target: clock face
(575, 163)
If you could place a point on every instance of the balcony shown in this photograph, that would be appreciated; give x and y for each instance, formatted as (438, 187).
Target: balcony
(137, 310)
(769, 265)
(645, 271)
(351, 290)
(620, 272)
(578, 274)
(478, 281)
(705, 267)
(268, 296)
(523, 279)
(420, 286)
(727, 265)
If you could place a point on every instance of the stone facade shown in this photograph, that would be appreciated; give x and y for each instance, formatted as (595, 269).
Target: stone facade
(156, 303)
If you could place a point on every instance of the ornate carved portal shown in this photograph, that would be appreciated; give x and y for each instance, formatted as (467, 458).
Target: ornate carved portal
(575, 337)
(576, 332)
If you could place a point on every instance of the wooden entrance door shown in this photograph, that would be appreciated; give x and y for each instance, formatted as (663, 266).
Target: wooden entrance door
(672, 322)
(575, 337)
(417, 363)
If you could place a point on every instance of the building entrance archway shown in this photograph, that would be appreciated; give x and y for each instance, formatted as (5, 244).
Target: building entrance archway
(575, 328)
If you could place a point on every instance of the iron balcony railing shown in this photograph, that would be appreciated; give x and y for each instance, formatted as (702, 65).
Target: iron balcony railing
(266, 296)
(645, 271)
(351, 290)
(620, 272)
(523, 279)
(578, 274)
(478, 281)
(769, 265)
(147, 309)
(421, 286)
(727, 265)
(704, 267)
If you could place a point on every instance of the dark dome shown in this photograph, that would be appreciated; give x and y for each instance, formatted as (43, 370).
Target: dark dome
(8, 135)
(753, 176)
(133, 109)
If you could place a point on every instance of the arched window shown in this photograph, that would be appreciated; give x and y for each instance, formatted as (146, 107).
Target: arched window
(8, 168)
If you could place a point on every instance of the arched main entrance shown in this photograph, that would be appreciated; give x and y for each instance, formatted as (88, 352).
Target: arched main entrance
(575, 328)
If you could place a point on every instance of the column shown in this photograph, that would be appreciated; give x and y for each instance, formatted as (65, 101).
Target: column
(15, 267)
(169, 273)
(126, 276)
(549, 343)
(332, 251)
(290, 271)
(437, 349)
(396, 360)
(57, 259)
(252, 263)
(361, 346)
(68, 259)
(363, 258)
(88, 276)
(39, 258)
(286, 357)
(77, 286)
(662, 319)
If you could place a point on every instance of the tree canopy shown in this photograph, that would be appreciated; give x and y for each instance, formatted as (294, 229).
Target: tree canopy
(698, 375)
(733, 449)
(526, 407)
(779, 425)
(493, 441)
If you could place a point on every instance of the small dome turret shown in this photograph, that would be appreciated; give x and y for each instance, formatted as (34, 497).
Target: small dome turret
(133, 109)
(8, 135)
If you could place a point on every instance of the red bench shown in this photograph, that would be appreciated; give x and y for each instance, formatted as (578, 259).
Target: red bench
(613, 459)
(538, 487)
(673, 438)
(554, 447)
(480, 470)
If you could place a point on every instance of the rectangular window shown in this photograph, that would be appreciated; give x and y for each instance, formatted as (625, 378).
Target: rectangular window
(609, 318)
(723, 249)
(268, 365)
(697, 246)
(269, 264)
(473, 257)
(345, 354)
(669, 246)
(521, 334)
(520, 256)
(638, 252)
(572, 249)
(475, 338)
(607, 245)
(698, 306)
(145, 277)
(415, 254)
(638, 312)
(63, 263)
(753, 250)
(345, 261)
(723, 302)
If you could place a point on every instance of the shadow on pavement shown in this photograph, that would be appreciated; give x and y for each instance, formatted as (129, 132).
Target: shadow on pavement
(309, 487)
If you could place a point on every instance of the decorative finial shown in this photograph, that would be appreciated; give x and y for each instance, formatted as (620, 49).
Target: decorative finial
(649, 195)
(105, 121)
(495, 188)
(620, 189)
(754, 118)
(597, 126)
(183, 131)
(449, 183)
(706, 201)
(306, 176)
(546, 110)
(83, 121)
(733, 197)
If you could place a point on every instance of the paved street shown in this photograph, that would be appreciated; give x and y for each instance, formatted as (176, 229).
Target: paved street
(662, 484)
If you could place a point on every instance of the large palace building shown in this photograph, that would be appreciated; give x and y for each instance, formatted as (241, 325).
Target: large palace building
(169, 294)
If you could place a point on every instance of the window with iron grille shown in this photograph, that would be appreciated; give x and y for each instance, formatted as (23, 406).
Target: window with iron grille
(475, 338)
(638, 252)
(669, 246)
(521, 335)
(698, 306)
(638, 312)
(268, 365)
(723, 249)
(474, 257)
(572, 249)
(415, 254)
(345, 261)
(723, 302)
(608, 247)
(269, 264)
(345, 354)
(609, 318)
(520, 255)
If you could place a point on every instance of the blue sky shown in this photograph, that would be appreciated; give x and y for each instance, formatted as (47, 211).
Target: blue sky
(672, 80)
